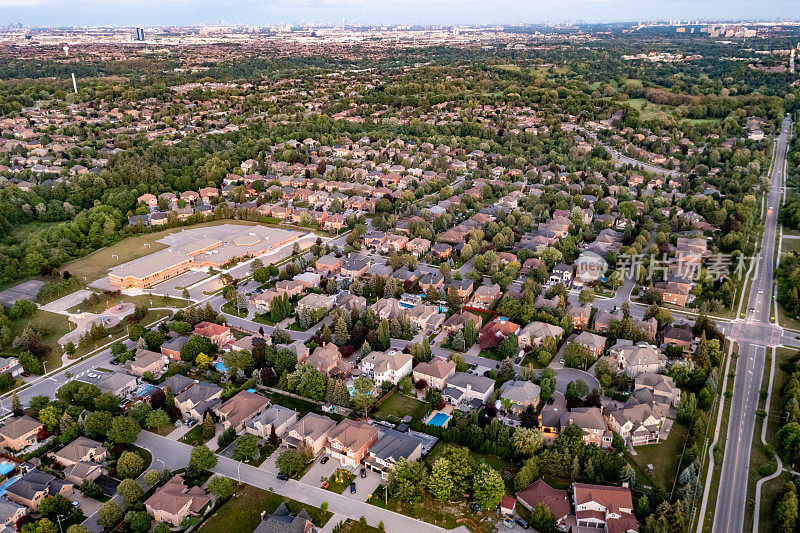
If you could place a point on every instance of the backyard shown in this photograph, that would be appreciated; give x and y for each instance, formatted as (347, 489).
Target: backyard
(664, 456)
(397, 405)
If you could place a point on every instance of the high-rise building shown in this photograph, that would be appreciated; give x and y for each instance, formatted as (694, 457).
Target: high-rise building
(138, 34)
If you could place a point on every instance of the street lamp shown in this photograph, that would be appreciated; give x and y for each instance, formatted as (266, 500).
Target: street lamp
(58, 518)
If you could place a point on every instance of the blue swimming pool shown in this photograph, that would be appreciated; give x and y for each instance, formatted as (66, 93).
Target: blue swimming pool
(251, 390)
(220, 366)
(439, 420)
(6, 467)
(144, 388)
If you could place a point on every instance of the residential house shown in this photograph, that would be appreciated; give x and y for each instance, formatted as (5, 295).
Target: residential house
(281, 521)
(556, 500)
(590, 420)
(198, 399)
(20, 432)
(426, 317)
(381, 367)
(146, 361)
(561, 274)
(177, 383)
(595, 343)
(516, 396)
(604, 507)
(387, 308)
(10, 513)
(550, 415)
(216, 333)
(457, 322)
(536, 332)
(679, 336)
(328, 360)
(240, 409)
(354, 267)
(311, 430)
(435, 372)
(661, 387)
(174, 502)
(10, 365)
(673, 293)
(275, 416)
(315, 302)
(392, 446)
(172, 347)
(493, 333)
(638, 422)
(34, 486)
(418, 246)
(350, 441)
(327, 265)
(485, 295)
(463, 387)
(81, 459)
(580, 316)
(636, 359)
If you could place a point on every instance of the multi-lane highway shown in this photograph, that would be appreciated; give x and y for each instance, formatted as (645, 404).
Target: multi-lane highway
(754, 335)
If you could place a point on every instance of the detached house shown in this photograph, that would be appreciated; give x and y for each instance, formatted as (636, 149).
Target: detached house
(311, 430)
(536, 332)
(20, 432)
(350, 441)
(216, 333)
(436, 372)
(81, 459)
(240, 409)
(463, 387)
(175, 502)
(382, 367)
(637, 359)
(275, 416)
(603, 507)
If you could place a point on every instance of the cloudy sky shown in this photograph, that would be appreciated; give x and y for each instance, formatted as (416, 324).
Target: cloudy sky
(194, 12)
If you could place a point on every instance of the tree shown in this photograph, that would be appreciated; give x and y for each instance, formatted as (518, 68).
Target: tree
(209, 427)
(123, 430)
(470, 333)
(16, 405)
(138, 521)
(586, 296)
(129, 465)
(203, 361)
(508, 346)
(290, 462)
(246, 448)
(196, 345)
(78, 528)
(578, 356)
(507, 372)
(440, 484)
(363, 397)
(109, 514)
(407, 481)
(686, 408)
(151, 477)
(785, 509)
(527, 441)
(227, 437)
(458, 342)
(542, 519)
(202, 459)
(130, 491)
(487, 486)
(384, 339)
(157, 418)
(222, 487)
(460, 468)
(90, 489)
(576, 390)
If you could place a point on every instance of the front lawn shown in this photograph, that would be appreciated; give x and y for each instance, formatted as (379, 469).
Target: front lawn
(397, 405)
(340, 480)
(194, 437)
(242, 512)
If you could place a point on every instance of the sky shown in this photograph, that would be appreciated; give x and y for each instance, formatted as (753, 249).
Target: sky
(261, 12)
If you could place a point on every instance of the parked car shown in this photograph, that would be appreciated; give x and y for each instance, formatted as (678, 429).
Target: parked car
(324, 460)
(283, 477)
(521, 523)
(363, 472)
(191, 422)
(324, 485)
(352, 488)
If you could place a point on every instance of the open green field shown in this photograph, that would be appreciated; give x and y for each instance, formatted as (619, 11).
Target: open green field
(58, 326)
(242, 512)
(648, 110)
(664, 456)
(790, 245)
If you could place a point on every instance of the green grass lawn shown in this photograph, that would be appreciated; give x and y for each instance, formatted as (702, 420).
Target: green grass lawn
(770, 490)
(340, 480)
(58, 326)
(230, 308)
(194, 437)
(117, 332)
(163, 430)
(351, 526)
(110, 300)
(790, 245)
(242, 512)
(398, 405)
(664, 456)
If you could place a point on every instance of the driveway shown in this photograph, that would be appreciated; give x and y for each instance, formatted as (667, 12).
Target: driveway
(364, 486)
(565, 375)
(319, 470)
(269, 463)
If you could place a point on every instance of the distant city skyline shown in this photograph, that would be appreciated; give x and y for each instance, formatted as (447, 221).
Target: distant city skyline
(64, 13)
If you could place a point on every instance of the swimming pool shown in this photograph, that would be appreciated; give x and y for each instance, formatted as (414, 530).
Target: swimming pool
(144, 388)
(220, 366)
(251, 390)
(6, 467)
(439, 420)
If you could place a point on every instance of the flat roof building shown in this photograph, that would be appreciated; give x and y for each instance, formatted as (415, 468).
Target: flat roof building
(212, 246)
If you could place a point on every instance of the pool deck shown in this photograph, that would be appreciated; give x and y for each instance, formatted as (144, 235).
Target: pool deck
(448, 410)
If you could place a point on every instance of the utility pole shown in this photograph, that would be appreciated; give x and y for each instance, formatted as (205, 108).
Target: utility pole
(74, 84)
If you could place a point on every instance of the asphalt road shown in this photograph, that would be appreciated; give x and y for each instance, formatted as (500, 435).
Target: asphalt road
(754, 334)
